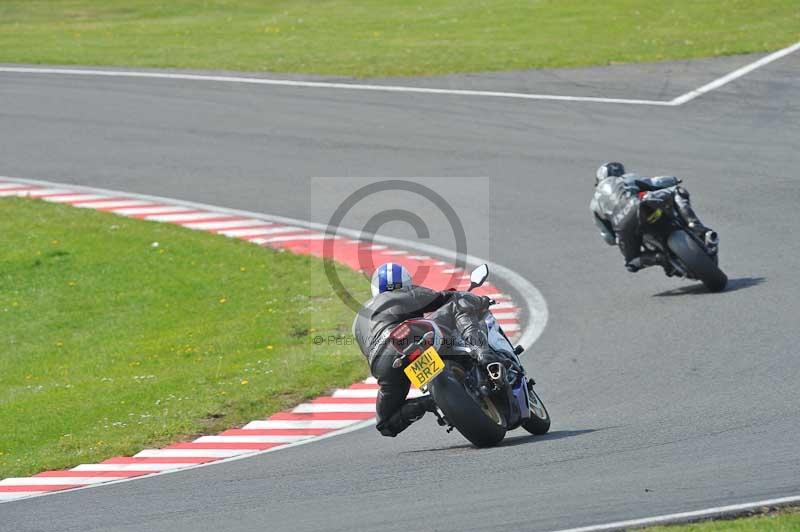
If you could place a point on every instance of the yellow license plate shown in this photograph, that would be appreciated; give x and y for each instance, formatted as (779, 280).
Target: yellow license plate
(425, 368)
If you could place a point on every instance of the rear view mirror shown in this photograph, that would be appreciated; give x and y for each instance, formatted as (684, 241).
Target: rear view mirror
(478, 276)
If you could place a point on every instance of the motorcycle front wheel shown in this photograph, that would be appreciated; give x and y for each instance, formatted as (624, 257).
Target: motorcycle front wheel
(477, 418)
(539, 422)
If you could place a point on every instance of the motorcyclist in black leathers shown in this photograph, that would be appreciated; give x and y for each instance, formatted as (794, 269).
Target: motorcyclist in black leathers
(394, 301)
(615, 206)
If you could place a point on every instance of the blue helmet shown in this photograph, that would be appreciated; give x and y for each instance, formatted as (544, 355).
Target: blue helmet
(389, 276)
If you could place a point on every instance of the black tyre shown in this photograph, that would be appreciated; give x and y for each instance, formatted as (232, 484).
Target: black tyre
(539, 422)
(476, 418)
(697, 261)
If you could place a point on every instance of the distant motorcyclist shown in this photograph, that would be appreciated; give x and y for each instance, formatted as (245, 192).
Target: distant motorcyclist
(395, 300)
(616, 209)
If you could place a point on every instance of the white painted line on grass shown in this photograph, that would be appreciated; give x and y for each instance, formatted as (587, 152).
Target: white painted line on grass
(686, 516)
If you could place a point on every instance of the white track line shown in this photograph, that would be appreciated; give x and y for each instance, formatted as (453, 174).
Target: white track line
(299, 424)
(686, 516)
(533, 301)
(55, 481)
(189, 217)
(128, 467)
(680, 100)
(314, 408)
(719, 82)
(362, 393)
(190, 453)
(229, 224)
(155, 209)
(11, 496)
(47, 192)
(322, 85)
(289, 238)
(32, 192)
(112, 204)
(252, 439)
(69, 198)
(356, 393)
(255, 231)
(527, 292)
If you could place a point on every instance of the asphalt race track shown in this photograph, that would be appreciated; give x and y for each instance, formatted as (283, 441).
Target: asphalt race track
(664, 398)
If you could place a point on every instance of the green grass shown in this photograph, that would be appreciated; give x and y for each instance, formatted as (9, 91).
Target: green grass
(382, 37)
(109, 344)
(784, 521)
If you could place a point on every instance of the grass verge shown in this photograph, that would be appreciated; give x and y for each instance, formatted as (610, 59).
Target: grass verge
(785, 520)
(109, 344)
(384, 38)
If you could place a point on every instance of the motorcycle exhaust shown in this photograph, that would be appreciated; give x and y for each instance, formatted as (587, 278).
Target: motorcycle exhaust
(712, 239)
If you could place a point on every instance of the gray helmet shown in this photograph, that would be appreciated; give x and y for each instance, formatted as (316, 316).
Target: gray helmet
(612, 169)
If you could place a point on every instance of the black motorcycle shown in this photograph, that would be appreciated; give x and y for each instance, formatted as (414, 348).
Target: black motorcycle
(685, 254)
(481, 402)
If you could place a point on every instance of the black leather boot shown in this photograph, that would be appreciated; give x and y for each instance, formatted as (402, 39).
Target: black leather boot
(411, 411)
(644, 260)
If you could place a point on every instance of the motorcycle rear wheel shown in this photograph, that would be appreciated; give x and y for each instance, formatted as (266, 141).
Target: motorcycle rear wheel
(476, 418)
(695, 258)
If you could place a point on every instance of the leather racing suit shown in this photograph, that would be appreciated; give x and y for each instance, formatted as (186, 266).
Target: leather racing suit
(615, 206)
(381, 314)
